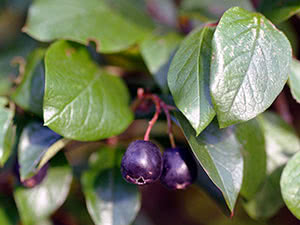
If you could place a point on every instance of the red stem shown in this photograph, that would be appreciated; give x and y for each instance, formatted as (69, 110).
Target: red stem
(170, 131)
(154, 119)
(158, 105)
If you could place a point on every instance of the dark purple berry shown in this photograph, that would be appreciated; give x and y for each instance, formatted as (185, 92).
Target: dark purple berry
(141, 163)
(179, 168)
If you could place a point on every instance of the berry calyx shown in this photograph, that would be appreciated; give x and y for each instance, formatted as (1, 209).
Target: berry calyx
(179, 168)
(141, 163)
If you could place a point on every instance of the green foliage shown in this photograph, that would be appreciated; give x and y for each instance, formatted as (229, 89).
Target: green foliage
(110, 200)
(70, 99)
(251, 137)
(29, 94)
(218, 152)
(94, 104)
(290, 185)
(99, 22)
(188, 78)
(294, 80)
(33, 145)
(248, 69)
(40, 202)
(7, 131)
(157, 50)
(208, 10)
(279, 10)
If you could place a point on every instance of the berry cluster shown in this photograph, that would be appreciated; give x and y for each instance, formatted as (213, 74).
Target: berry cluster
(143, 162)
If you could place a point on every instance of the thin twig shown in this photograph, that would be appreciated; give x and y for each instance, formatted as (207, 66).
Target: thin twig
(170, 132)
(142, 96)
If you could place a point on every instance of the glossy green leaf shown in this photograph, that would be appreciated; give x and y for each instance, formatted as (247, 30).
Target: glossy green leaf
(267, 200)
(208, 10)
(81, 101)
(33, 145)
(38, 203)
(282, 141)
(250, 65)
(112, 25)
(110, 199)
(188, 78)
(29, 94)
(251, 137)
(7, 132)
(218, 151)
(157, 50)
(279, 10)
(294, 80)
(290, 185)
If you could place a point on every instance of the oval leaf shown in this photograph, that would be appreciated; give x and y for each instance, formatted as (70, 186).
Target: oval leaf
(267, 201)
(294, 80)
(29, 94)
(110, 200)
(251, 137)
(188, 78)
(38, 203)
(290, 185)
(33, 145)
(83, 22)
(250, 65)
(218, 151)
(7, 132)
(281, 143)
(81, 101)
(157, 51)
(281, 140)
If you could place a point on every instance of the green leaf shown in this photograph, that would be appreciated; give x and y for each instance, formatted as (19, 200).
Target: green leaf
(21, 47)
(8, 210)
(33, 145)
(110, 200)
(267, 200)
(294, 80)
(81, 101)
(7, 131)
(251, 137)
(38, 203)
(290, 185)
(250, 65)
(29, 94)
(157, 50)
(208, 10)
(112, 25)
(218, 151)
(279, 10)
(188, 78)
(282, 141)
(52, 151)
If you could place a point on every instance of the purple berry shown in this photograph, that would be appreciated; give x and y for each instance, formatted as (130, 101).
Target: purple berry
(141, 163)
(179, 168)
